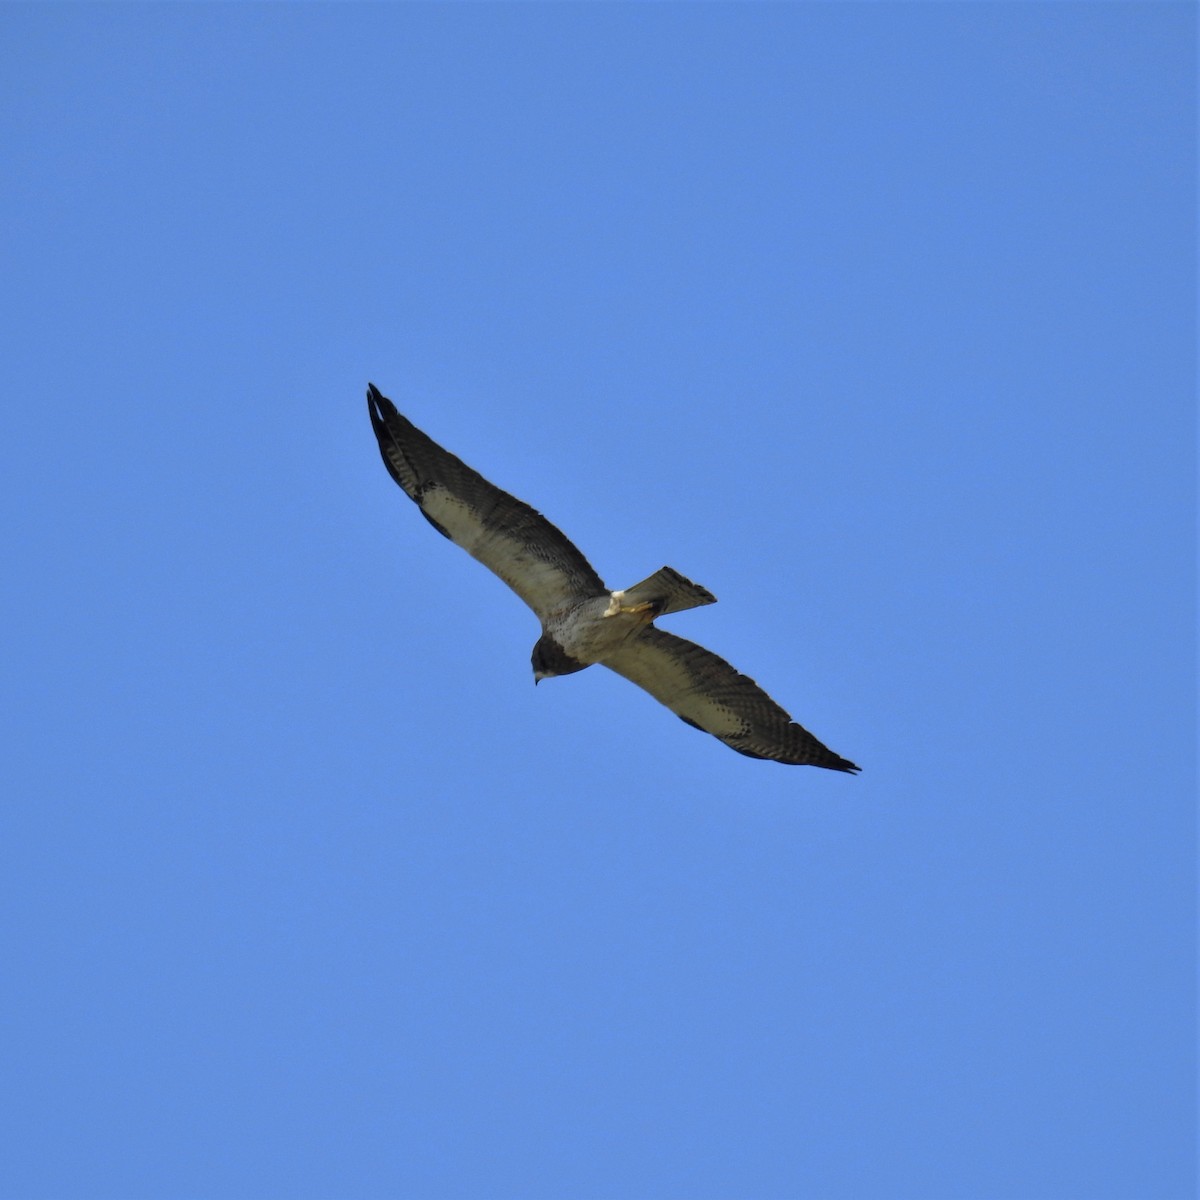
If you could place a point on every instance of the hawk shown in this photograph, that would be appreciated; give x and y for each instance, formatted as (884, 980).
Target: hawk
(583, 622)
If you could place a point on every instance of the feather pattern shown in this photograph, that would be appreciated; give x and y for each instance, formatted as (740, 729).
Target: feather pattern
(509, 537)
(705, 691)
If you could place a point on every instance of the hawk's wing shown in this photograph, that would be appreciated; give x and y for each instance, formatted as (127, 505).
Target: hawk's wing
(707, 693)
(506, 535)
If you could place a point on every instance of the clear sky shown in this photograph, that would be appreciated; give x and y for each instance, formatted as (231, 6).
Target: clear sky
(877, 320)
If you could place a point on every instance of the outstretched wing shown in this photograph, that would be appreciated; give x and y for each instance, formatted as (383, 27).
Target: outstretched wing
(707, 693)
(534, 558)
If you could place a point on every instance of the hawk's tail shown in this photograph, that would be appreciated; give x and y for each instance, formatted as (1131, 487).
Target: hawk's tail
(666, 591)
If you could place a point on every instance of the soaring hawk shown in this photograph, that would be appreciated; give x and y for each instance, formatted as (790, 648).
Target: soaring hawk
(582, 621)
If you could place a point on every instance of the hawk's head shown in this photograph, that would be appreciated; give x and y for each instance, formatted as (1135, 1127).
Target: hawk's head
(550, 659)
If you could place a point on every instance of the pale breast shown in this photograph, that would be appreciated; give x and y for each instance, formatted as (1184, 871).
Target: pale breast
(587, 635)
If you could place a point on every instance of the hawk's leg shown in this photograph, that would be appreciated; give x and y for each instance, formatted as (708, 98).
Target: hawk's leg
(616, 604)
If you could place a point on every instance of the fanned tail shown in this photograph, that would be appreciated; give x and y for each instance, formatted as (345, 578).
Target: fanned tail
(666, 591)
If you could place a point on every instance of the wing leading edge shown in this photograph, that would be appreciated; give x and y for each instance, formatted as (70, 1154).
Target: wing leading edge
(509, 537)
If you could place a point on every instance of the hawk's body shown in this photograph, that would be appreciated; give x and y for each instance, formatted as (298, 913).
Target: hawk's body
(582, 621)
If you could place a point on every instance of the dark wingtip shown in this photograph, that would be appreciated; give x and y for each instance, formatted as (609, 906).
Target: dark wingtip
(835, 762)
(379, 406)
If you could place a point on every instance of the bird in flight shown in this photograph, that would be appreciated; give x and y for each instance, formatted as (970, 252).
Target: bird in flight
(583, 622)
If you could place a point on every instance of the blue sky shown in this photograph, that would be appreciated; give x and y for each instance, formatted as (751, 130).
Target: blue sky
(877, 320)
